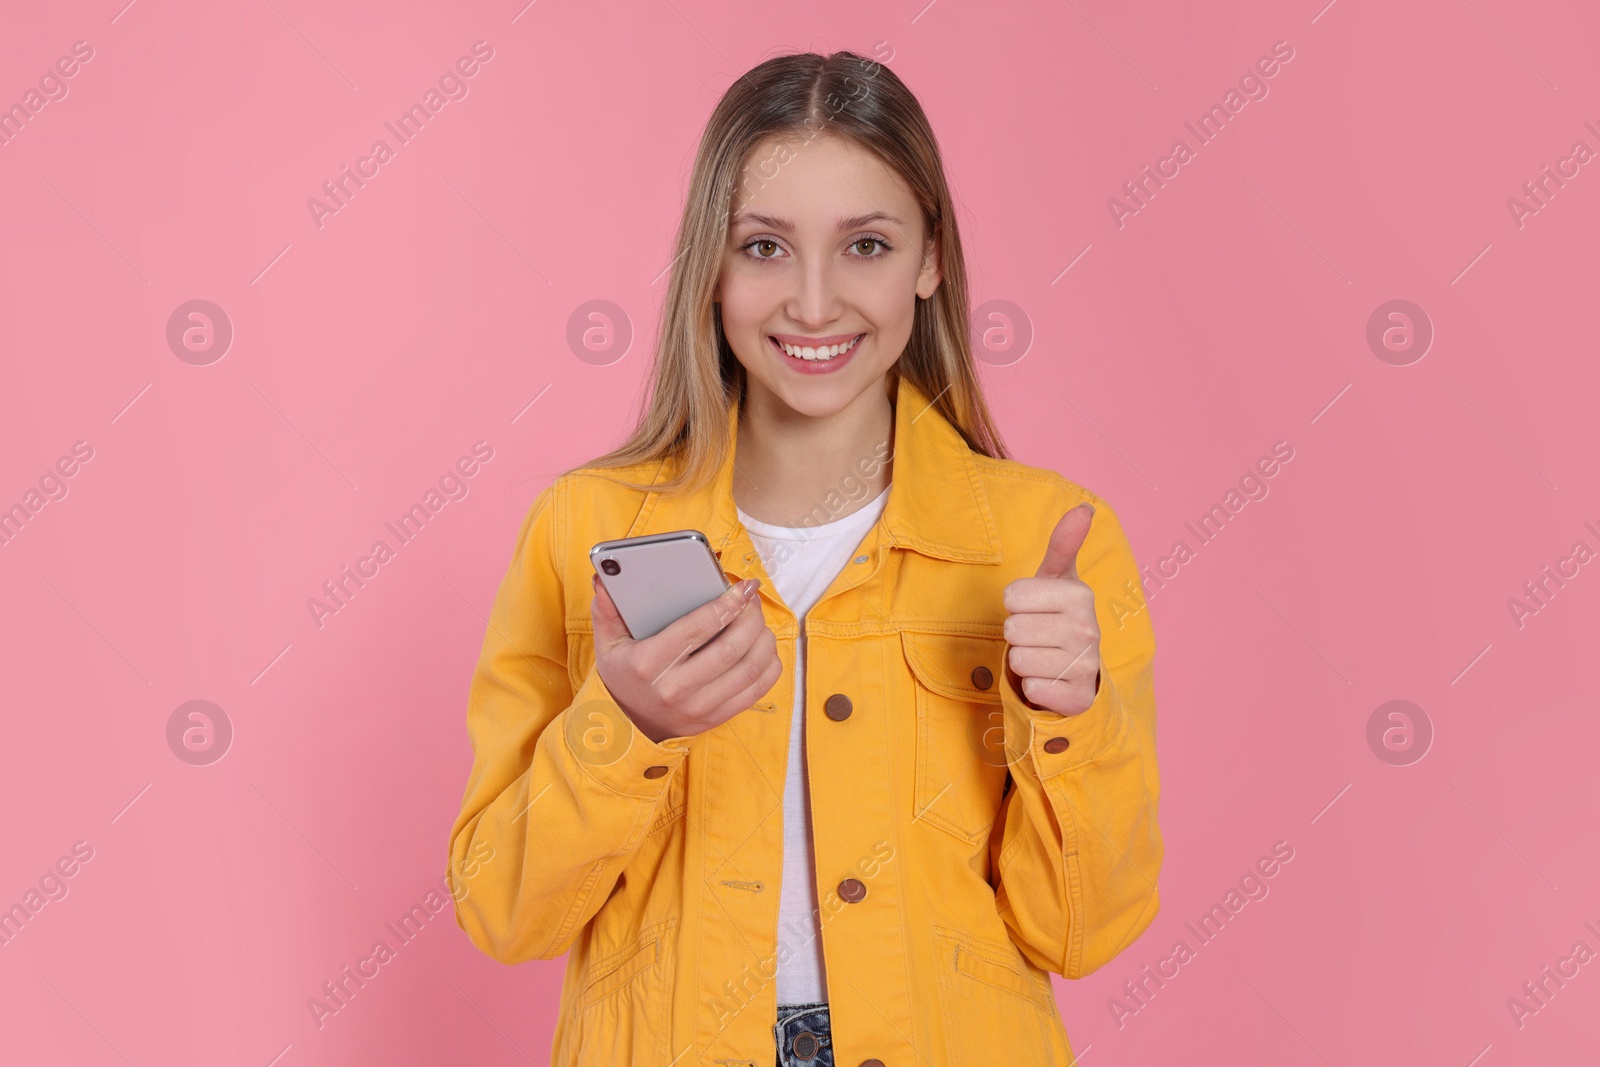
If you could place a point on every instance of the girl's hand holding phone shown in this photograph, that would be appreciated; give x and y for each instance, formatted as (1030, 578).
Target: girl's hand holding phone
(1051, 625)
(700, 671)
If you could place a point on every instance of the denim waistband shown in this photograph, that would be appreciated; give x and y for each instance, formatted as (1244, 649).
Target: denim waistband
(803, 1035)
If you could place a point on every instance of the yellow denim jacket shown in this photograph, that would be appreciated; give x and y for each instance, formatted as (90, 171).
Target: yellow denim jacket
(966, 843)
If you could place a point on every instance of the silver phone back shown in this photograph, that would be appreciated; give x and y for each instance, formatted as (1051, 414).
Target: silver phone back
(662, 578)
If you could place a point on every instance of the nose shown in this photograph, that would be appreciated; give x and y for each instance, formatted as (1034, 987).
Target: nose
(815, 301)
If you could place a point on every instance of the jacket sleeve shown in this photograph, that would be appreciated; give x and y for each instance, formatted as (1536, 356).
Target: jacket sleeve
(1076, 849)
(559, 797)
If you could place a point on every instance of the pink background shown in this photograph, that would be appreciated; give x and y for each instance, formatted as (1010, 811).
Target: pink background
(370, 353)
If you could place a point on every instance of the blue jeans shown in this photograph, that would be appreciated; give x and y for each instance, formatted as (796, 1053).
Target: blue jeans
(805, 1038)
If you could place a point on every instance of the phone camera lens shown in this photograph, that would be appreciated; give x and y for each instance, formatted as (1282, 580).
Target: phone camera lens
(610, 566)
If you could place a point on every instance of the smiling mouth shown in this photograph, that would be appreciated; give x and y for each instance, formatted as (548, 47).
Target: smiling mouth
(817, 355)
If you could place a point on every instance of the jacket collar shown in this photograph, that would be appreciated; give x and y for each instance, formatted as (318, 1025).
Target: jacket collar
(936, 503)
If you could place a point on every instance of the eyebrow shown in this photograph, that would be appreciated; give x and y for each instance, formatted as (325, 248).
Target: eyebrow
(852, 223)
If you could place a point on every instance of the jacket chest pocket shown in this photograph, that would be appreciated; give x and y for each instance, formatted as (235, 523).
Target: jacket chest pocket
(960, 750)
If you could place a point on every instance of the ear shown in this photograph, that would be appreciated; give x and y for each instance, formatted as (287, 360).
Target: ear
(929, 277)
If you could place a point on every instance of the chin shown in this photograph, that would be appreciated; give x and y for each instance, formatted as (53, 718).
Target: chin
(818, 401)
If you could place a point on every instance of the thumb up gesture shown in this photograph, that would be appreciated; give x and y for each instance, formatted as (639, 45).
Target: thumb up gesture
(1050, 625)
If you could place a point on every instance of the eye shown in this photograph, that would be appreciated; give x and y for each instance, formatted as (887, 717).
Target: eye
(767, 248)
(868, 242)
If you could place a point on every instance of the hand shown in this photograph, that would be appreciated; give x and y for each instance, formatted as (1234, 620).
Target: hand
(668, 684)
(1050, 625)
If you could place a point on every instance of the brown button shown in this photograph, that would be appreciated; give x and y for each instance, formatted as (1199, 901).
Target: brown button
(872, 1063)
(1056, 744)
(852, 890)
(805, 1045)
(838, 707)
(982, 677)
(654, 772)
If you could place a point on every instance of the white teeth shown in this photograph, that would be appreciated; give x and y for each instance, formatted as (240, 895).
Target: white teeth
(826, 352)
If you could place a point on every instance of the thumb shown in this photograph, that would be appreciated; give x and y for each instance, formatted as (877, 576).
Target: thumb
(608, 625)
(1061, 555)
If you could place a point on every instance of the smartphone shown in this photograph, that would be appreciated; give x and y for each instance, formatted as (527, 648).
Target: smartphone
(657, 579)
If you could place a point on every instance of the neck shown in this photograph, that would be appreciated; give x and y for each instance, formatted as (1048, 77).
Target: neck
(792, 469)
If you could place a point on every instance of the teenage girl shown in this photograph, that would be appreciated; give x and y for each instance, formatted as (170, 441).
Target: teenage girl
(911, 770)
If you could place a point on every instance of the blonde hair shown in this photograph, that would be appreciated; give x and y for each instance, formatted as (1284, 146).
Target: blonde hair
(845, 95)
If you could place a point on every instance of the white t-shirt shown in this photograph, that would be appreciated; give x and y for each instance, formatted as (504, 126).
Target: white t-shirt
(802, 563)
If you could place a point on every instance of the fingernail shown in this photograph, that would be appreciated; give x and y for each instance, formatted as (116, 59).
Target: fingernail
(747, 588)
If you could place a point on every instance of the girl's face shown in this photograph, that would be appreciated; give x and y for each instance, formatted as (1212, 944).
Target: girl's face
(826, 250)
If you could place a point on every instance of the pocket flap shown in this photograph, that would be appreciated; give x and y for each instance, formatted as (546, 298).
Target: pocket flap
(954, 664)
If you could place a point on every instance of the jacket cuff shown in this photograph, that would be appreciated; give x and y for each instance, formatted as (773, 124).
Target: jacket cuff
(612, 750)
(1054, 742)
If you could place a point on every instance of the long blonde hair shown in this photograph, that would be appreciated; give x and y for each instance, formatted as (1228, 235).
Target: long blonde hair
(843, 95)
